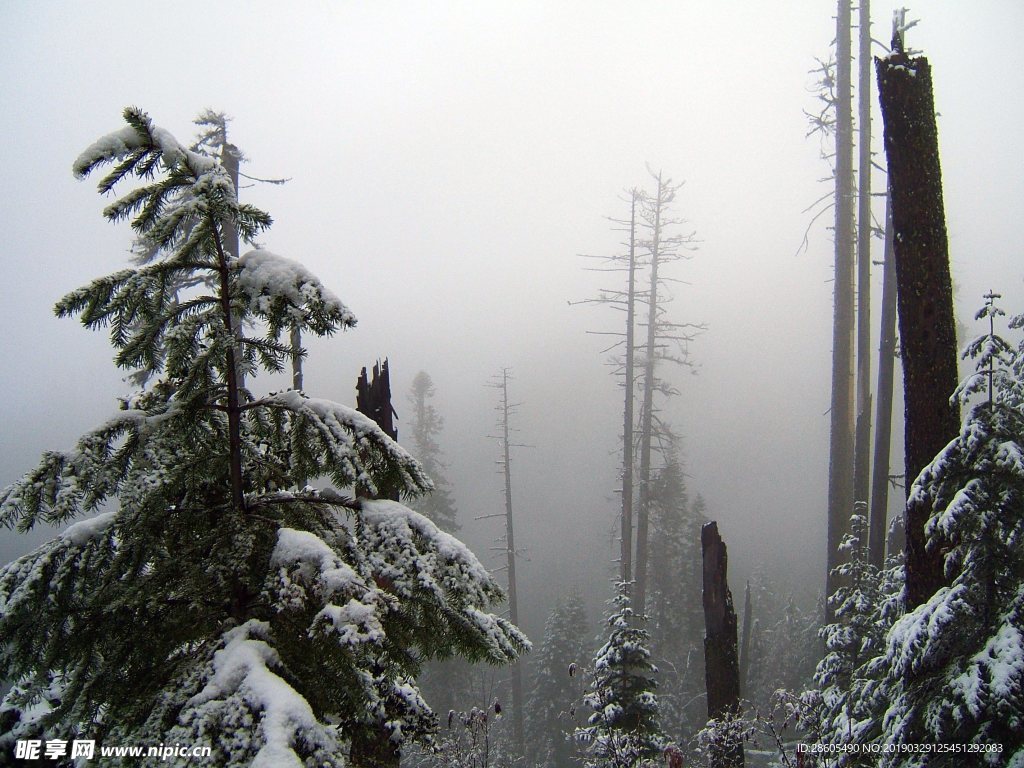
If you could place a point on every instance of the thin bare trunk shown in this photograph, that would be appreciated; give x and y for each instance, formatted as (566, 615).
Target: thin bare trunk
(626, 534)
(841, 448)
(748, 611)
(296, 343)
(883, 414)
(231, 375)
(510, 544)
(647, 410)
(862, 460)
(229, 155)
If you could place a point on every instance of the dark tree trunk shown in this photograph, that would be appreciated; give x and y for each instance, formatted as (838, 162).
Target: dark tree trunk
(295, 339)
(745, 645)
(841, 441)
(924, 291)
(373, 398)
(883, 413)
(721, 666)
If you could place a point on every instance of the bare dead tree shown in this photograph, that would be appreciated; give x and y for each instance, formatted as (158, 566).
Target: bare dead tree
(862, 450)
(666, 341)
(506, 409)
(624, 300)
(841, 441)
(923, 289)
(373, 398)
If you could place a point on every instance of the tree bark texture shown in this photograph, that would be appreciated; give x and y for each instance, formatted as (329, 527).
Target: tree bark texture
(924, 292)
(862, 460)
(373, 398)
(841, 442)
(883, 404)
(721, 665)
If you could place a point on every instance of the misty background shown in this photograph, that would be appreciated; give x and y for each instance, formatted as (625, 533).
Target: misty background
(448, 163)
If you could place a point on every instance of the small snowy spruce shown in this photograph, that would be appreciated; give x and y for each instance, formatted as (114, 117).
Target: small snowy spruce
(955, 664)
(217, 599)
(551, 713)
(623, 730)
(850, 699)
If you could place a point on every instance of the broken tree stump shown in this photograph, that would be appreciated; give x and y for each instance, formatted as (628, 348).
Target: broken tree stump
(721, 665)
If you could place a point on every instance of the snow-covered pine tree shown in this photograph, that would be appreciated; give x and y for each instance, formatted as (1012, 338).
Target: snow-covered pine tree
(962, 650)
(427, 423)
(850, 701)
(623, 731)
(213, 601)
(550, 712)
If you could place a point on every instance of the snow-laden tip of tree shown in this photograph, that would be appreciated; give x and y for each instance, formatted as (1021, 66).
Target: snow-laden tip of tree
(220, 599)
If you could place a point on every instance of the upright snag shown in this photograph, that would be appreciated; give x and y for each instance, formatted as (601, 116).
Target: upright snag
(924, 289)
(721, 665)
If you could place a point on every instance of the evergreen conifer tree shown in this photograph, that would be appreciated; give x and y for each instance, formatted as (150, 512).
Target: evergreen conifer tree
(850, 700)
(623, 731)
(214, 600)
(677, 620)
(427, 423)
(955, 664)
(550, 715)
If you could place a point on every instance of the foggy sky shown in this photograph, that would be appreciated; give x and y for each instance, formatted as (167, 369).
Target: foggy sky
(448, 163)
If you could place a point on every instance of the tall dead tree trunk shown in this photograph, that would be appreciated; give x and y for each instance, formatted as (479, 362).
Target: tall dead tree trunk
(505, 409)
(862, 452)
(841, 444)
(626, 533)
(721, 666)
(883, 413)
(923, 289)
(647, 406)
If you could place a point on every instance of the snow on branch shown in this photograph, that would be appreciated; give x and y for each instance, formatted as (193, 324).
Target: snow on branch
(285, 292)
(245, 693)
(361, 454)
(139, 138)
